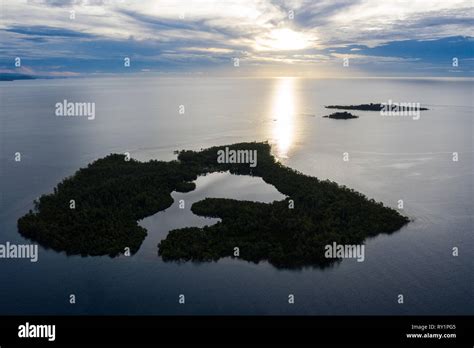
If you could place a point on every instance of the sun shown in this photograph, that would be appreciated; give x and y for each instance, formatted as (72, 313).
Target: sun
(283, 40)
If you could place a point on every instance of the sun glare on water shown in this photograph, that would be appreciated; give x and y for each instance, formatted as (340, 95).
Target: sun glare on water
(283, 115)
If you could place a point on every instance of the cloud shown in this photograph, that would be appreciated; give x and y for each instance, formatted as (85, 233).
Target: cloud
(39, 30)
(196, 35)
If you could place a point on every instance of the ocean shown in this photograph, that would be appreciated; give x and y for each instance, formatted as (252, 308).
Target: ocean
(427, 163)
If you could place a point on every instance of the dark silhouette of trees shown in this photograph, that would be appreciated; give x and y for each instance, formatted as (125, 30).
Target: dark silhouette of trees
(324, 212)
(112, 194)
(341, 115)
(364, 107)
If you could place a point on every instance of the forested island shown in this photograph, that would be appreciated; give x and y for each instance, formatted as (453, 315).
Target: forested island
(111, 194)
(375, 107)
(341, 116)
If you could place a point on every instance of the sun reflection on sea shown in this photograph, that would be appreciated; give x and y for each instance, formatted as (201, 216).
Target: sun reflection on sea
(283, 116)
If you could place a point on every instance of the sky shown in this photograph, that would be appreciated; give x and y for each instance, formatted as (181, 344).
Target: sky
(310, 38)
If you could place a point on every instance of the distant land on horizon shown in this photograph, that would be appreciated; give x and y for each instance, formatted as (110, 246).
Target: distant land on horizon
(14, 77)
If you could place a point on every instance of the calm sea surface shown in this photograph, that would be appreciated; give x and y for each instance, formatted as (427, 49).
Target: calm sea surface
(390, 158)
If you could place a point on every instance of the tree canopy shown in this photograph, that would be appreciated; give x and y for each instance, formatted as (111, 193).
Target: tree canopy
(111, 194)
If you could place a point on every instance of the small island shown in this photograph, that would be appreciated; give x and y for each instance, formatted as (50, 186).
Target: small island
(375, 107)
(344, 115)
(113, 193)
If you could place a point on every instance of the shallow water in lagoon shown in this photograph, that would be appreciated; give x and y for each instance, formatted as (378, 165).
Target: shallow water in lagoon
(390, 159)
